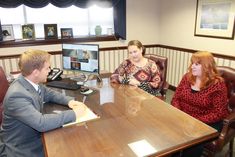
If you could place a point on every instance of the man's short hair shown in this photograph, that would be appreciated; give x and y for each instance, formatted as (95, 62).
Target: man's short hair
(31, 60)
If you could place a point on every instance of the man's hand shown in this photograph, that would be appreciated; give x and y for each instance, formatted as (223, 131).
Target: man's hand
(73, 103)
(79, 112)
(78, 107)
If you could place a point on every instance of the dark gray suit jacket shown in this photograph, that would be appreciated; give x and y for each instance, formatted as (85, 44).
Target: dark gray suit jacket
(23, 122)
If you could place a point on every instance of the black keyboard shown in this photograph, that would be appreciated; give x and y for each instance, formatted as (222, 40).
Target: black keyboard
(72, 85)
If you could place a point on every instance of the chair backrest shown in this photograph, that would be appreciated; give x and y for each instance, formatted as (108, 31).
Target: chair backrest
(161, 62)
(4, 86)
(228, 131)
(229, 77)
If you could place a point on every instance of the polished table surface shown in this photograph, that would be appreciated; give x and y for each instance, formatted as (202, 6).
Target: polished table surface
(129, 117)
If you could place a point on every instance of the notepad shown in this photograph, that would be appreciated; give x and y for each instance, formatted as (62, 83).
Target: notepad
(88, 116)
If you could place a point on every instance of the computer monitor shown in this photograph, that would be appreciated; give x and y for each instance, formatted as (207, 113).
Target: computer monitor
(81, 57)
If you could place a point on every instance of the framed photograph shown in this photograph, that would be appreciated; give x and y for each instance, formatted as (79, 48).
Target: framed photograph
(50, 31)
(7, 33)
(28, 31)
(66, 32)
(215, 18)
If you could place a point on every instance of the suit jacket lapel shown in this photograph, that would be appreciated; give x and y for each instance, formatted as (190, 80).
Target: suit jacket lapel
(29, 87)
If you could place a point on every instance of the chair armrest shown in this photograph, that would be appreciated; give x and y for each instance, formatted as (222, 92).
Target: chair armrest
(227, 132)
(230, 120)
(164, 89)
(166, 85)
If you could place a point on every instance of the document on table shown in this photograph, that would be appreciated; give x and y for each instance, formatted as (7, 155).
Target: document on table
(142, 148)
(88, 116)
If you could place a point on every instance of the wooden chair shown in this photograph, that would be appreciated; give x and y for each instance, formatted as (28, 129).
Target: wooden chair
(228, 131)
(161, 62)
(4, 86)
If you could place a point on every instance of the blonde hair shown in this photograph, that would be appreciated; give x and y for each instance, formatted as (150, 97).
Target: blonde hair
(210, 74)
(31, 60)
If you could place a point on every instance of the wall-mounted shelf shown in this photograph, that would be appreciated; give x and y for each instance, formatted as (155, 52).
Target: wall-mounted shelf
(42, 41)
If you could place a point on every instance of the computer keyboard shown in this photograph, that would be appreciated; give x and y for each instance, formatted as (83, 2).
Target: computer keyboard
(72, 85)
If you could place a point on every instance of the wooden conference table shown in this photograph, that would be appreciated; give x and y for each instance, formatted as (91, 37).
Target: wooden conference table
(132, 123)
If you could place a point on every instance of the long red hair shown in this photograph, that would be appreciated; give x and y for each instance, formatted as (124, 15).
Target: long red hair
(210, 73)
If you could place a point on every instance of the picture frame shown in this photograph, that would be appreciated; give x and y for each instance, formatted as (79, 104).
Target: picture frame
(66, 33)
(28, 32)
(7, 33)
(50, 31)
(215, 19)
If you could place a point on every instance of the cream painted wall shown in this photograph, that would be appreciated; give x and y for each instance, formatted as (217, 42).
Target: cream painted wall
(176, 22)
(142, 24)
(168, 22)
(142, 20)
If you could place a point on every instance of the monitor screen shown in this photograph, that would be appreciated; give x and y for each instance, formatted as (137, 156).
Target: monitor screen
(81, 57)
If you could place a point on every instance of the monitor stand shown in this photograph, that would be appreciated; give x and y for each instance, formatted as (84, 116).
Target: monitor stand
(81, 79)
(98, 78)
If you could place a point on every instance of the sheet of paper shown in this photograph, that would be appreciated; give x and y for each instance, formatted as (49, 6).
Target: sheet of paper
(89, 115)
(142, 148)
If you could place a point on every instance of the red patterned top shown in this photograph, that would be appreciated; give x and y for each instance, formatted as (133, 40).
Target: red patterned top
(208, 105)
(148, 75)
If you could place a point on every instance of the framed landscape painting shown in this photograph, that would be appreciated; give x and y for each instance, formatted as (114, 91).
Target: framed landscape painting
(215, 18)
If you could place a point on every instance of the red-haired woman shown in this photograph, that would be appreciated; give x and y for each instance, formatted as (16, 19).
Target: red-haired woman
(202, 93)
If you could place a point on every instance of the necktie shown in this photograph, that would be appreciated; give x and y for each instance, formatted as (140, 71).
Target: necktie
(40, 96)
(39, 91)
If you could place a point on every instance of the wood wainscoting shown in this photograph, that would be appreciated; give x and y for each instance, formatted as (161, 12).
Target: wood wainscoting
(111, 57)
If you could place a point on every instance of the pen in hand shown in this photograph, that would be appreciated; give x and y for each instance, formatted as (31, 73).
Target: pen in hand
(84, 99)
(74, 104)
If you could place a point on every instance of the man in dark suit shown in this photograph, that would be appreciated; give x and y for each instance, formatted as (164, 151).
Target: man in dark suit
(23, 121)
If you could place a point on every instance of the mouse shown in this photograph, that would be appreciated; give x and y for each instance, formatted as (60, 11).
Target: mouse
(85, 90)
